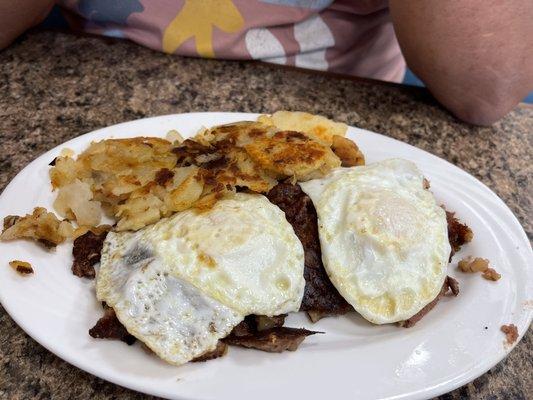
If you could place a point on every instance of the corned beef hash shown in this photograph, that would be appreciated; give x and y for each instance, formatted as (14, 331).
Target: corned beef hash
(217, 238)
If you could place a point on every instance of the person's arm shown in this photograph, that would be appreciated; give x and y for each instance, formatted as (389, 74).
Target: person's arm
(16, 16)
(475, 56)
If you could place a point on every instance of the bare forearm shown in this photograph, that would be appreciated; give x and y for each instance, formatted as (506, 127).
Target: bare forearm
(475, 56)
(16, 16)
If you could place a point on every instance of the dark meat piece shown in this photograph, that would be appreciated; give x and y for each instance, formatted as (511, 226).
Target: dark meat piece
(458, 233)
(245, 327)
(450, 284)
(320, 296)
(109, 327)
(219, 351)
(273, 340)
(266, 334)
(86, 252)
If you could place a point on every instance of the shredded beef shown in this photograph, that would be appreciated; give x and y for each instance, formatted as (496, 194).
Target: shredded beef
(458, 233)
(266, 334)
(450, 284)
(273, 340)
(245, 327)
(86, 252)
(320, 296)
(109, 327)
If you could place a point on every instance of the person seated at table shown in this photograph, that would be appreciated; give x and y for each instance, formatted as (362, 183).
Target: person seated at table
(475, 57)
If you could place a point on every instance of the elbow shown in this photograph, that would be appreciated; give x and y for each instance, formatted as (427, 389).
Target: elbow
(6, 39)
(478, 104)
(483, 112)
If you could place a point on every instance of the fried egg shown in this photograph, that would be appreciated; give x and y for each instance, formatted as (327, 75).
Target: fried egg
(183, 283)
(172, 317)
(384, 238)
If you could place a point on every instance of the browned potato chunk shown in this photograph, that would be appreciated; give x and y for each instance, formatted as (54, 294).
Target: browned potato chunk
(41, 225)
(292, 154)
(347, 151)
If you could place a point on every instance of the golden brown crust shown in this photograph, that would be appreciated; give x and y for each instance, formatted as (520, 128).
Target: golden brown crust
(347, 151)
(292, 154)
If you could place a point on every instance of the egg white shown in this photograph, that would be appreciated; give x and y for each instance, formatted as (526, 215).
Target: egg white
(181, 284)
(383, 237)
(172, 317)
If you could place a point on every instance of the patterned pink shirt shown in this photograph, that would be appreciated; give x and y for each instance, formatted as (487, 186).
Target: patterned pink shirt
(352, 37)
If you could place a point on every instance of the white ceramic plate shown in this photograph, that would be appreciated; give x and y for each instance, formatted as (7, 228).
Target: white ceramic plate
(458, 341)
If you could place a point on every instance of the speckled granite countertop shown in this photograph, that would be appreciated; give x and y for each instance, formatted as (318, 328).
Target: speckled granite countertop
(55, 86)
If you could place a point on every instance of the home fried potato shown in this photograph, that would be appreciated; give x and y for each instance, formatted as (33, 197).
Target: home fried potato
(140, 180)
(41, 225)
(316, 126)
(347, 151)
(74, 202)
(116, 174)
(292, 154)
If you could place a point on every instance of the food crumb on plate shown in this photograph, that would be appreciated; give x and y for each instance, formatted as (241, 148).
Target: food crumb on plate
(22, 267)
(490, 274)
(472, 265)
(511, 333)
